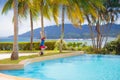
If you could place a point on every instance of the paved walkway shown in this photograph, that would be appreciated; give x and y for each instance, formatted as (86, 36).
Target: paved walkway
(7, 55)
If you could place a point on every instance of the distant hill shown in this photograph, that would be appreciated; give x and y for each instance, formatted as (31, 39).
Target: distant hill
(53, 32)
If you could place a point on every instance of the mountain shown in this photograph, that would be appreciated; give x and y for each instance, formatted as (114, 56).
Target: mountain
(53, 32)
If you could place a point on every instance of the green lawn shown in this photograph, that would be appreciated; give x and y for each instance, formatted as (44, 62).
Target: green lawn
(47, 53)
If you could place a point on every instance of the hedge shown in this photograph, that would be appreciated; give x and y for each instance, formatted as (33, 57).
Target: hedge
(51, 45)
(26, 45)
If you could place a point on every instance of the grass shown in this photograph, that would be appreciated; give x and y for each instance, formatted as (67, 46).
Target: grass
(47, 53)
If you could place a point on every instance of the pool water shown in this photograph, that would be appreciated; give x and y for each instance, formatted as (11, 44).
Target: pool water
(83, 67)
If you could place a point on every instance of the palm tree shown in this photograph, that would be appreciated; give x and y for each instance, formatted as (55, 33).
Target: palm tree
(42, 21)
(106, 17)
(8, 5)
(44, 10)
(112, 12)
(94, 25)
(75, 11)
(56, 6)
(14, 55)
(25, 7)
(62, 29)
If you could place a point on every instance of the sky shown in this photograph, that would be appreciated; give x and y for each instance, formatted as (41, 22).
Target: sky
(6, 24)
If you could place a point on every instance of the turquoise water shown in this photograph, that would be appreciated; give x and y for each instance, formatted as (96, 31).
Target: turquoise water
(84, 67)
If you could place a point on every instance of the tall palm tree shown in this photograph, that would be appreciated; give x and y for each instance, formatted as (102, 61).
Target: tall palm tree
(56, 7)
(9, 5)
(62, 29)
(14, 55)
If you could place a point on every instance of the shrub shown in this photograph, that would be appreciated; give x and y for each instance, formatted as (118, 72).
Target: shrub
(6, 46)
(112, 47)
(75, 45)
(57, 45)
(26, 45)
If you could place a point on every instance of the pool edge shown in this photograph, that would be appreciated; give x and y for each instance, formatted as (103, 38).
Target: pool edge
(22, 63)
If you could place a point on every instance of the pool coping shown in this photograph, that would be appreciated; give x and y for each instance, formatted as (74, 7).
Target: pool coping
(22, 63)
(8, 77)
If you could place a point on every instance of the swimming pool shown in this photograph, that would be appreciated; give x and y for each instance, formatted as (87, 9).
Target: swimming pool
(83, 67)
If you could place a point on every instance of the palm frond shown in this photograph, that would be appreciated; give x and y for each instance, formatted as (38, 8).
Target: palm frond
(8, 5)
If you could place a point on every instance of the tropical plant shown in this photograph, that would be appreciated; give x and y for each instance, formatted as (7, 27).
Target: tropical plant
(57, 44)
(112, 47)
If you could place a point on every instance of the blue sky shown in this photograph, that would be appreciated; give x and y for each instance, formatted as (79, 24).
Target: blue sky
(6, 25)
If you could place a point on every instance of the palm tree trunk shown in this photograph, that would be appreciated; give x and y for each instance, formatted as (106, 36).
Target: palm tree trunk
(98, 36)
(31, 38)
(62, 30)
(108, 32)
(42, 22)
(91, 32)
(14, 55)
(92, 36)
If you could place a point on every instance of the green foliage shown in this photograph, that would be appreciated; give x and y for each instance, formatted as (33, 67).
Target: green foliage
(88, 49)
(26, 45)
(76, 45)
(50, 45)
(6, 46)
(112, 47)
(57, 45)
